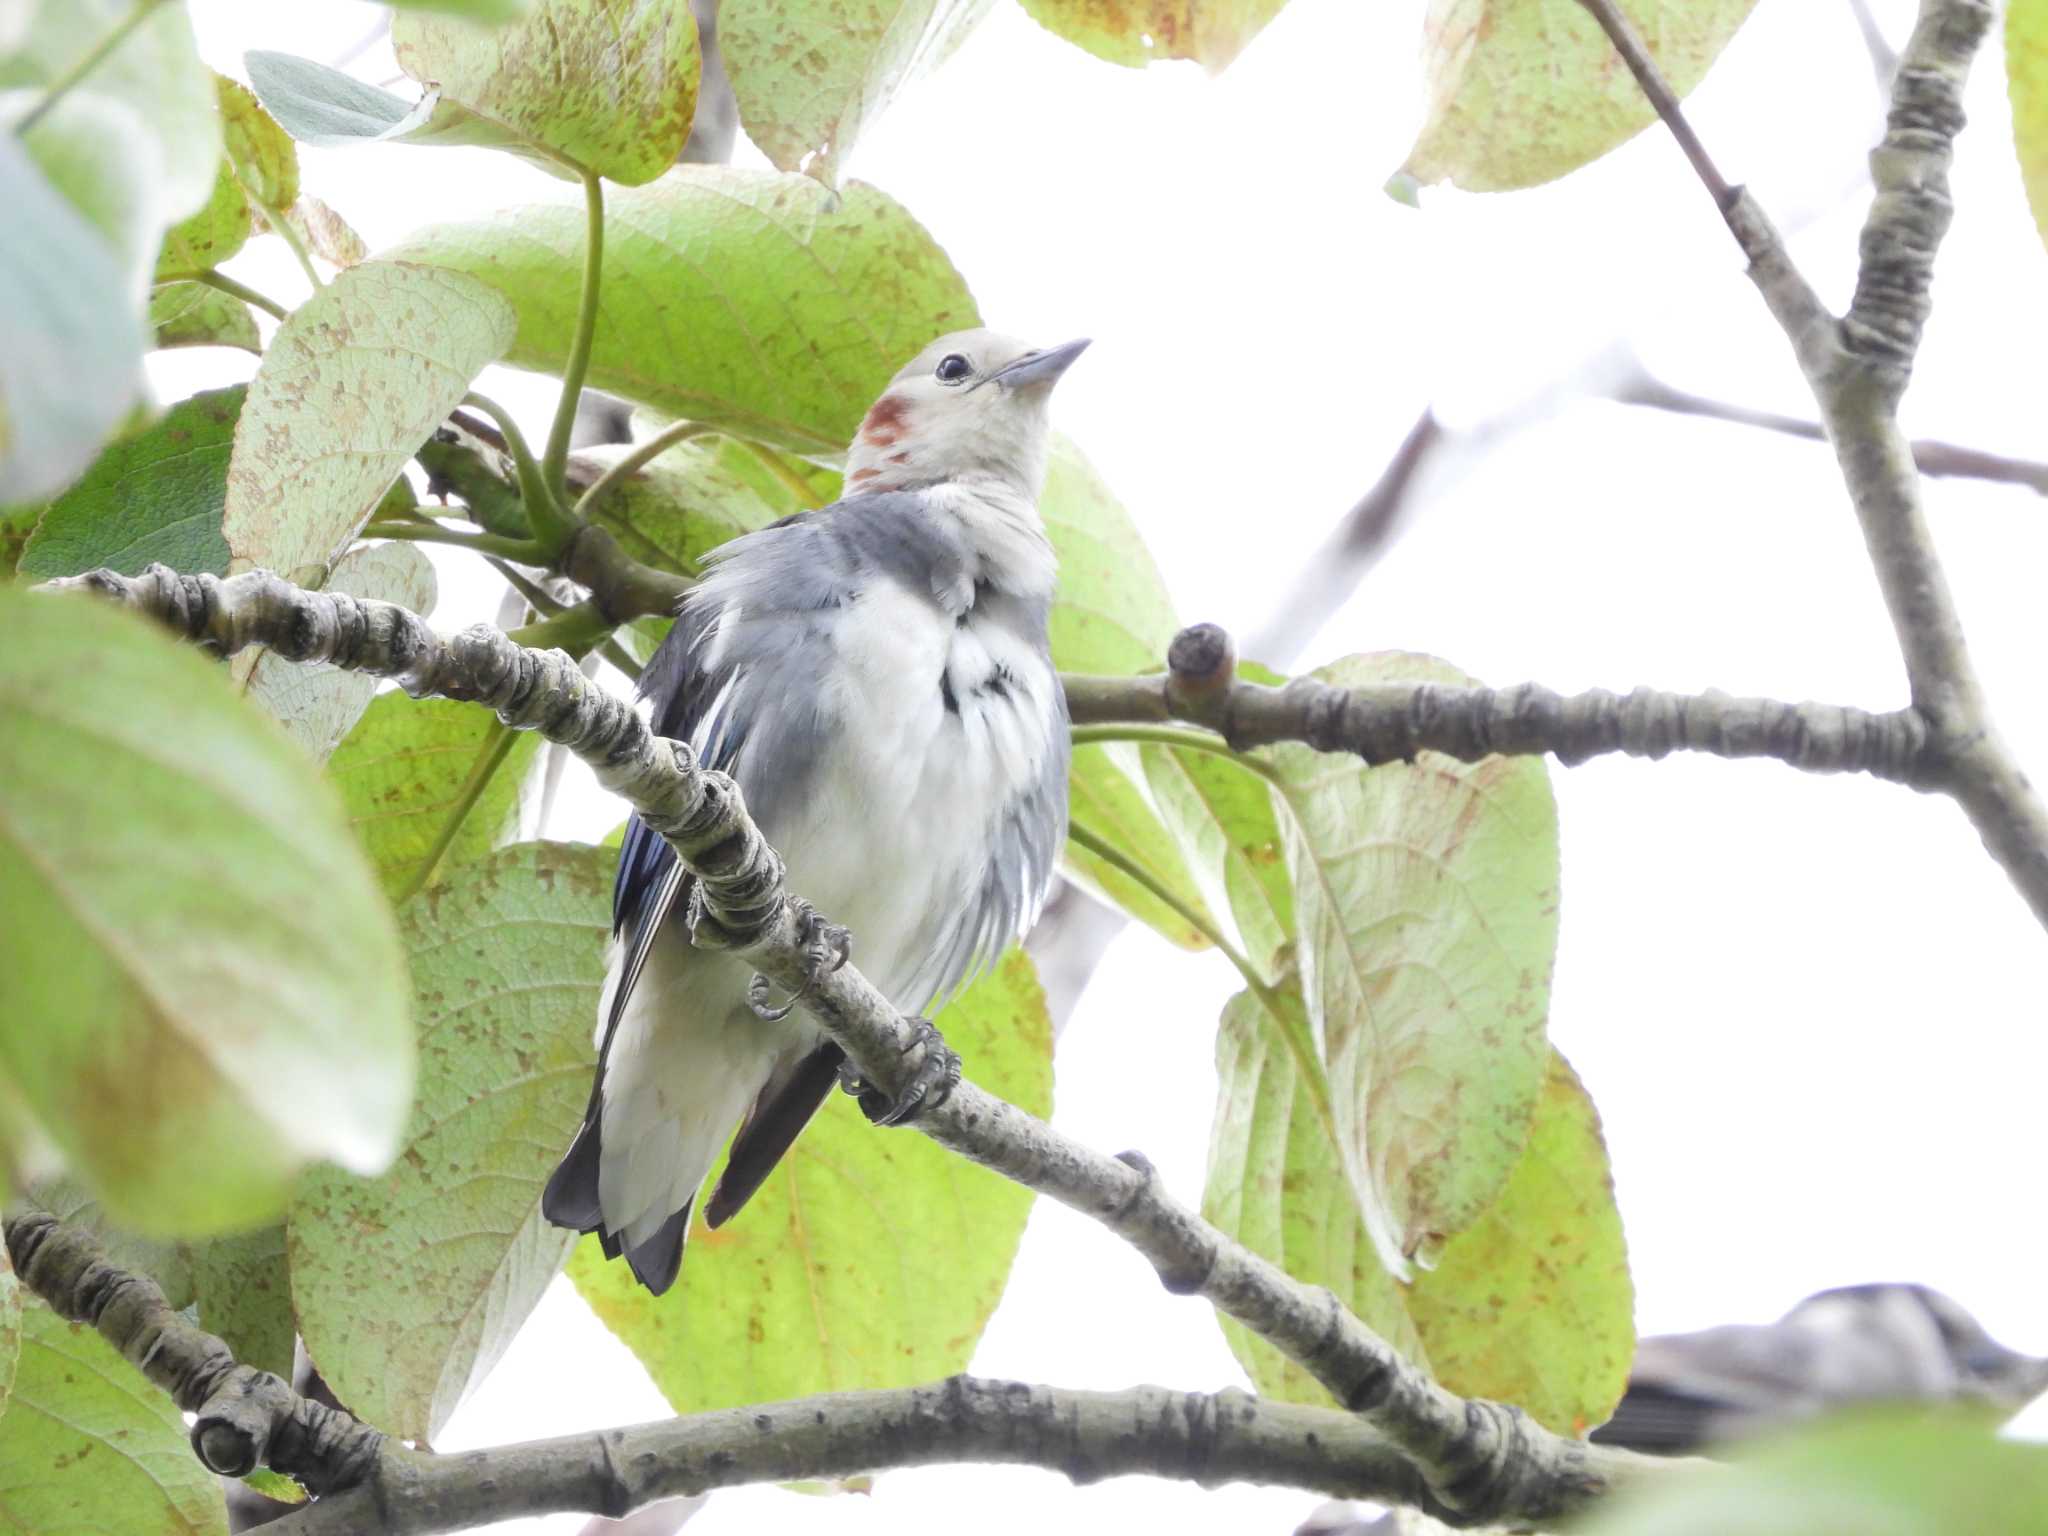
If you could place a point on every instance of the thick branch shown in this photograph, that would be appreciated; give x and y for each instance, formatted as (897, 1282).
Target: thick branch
(1188, 1436)
(246, 1418)
(1485, 1461)
(1391, 722)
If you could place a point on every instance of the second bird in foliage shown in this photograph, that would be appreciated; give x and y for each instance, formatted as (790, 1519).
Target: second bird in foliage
(877, 678)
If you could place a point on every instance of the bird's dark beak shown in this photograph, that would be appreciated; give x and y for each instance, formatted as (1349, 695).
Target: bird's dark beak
(1040, 370)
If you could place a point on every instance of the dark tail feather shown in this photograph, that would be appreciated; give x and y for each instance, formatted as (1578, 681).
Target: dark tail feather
(570, 1200)
(777, 1119)
(655, 1262)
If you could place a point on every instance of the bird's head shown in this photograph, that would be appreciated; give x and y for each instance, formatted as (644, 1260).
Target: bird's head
(972, 405)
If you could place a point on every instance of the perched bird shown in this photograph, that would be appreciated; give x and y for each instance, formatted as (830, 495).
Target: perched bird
(1858, 1344)
(876, 677)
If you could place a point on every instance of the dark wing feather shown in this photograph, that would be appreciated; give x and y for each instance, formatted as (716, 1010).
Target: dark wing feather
(776, 1120)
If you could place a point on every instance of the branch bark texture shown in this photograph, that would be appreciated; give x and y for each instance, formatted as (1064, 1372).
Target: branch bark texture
(1480, 1461)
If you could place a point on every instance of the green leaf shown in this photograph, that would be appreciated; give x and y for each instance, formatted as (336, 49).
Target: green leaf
(10, 1326)
(1277, 1184)
(319, 705)
(410, 1286)
(1523, 91)
(1532, 1304)
(92, 1446)
(606, 85)
(476, 10)
(153, 495)
(357, 378)
(681, 506)
(99, 154)
(244, 1293)
(2026, 78)
(319, 105)
(169, 1264)
(155, 70)
(187, 1026)
(1105, 794)
(810, 76)
(1222, 816)
(1427, 901)
(194, 315)
(759, 303)
(401, 770)
(259, 151)
(1140, 32)
(17, 525)
(1898, 1474)
(866, 1260)
(70, 349)
(213, 234)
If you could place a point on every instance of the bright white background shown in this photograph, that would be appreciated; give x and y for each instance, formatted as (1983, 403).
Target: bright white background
(1811, 1011)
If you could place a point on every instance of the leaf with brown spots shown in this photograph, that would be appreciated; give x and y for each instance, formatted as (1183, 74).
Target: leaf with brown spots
(409, 1286)
(194, 315)
(1141, 32)
(1426, 898)
(204, 986)
(92, 1445)
(606, 85)
(245, 1296)
(355, 380)
(756, 302)
(1523, 91)
(810, 75)
(1532, 1304)
(866, 1260)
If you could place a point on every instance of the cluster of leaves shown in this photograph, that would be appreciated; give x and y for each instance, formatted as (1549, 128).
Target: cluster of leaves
(333, 949)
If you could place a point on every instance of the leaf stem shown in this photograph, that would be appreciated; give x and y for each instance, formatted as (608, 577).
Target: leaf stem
(543, 513)
(557, 461)
(777, 466)
(94, 57)
(290, 237)
(214, 278)
(498, 744)
(1117, 859)
(524, 550)
(576, 630)
(637, 460)
(543, 602)
(1172, 736)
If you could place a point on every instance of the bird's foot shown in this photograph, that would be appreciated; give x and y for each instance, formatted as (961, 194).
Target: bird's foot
(827, 946)
(936, 1075)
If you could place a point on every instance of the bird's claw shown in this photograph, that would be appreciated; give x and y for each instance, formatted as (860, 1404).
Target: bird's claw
(934, 1078)
(827, 947)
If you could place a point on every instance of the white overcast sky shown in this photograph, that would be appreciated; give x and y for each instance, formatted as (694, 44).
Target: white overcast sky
(1810, 1011)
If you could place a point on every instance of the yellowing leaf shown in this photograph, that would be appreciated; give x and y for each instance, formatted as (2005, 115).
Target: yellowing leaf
(2026, 73)
(1140, 32)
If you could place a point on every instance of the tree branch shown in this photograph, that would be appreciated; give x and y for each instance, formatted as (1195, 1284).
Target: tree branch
(1391, 722)
(246, 1418)
(1482, 1461)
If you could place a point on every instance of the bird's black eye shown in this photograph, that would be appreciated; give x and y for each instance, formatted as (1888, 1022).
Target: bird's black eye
(953, 368)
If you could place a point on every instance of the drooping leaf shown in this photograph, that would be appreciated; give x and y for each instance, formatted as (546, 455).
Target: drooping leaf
(194, 315)
(326, 233)
(409, 1286)
(260, 152)
(476, 10)
(607, 85)
(1106, 796)
(1426, 896)
(155, 494)
(204, 987)
(244, 1292)
(319, 105)
(1532, 1304)
(70, 348)
(401, 770)
(319, 705)
(1222, 816)
(93, 1446)
(1902, 1474)
(1140, 32)
(810, 77)
(356, 379)
(2026, 79)
(1277, 1184)
(155, 70)
(1523, 91)
(203, 240)
(866, 1260)
(798, 305)
(168, 1263)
